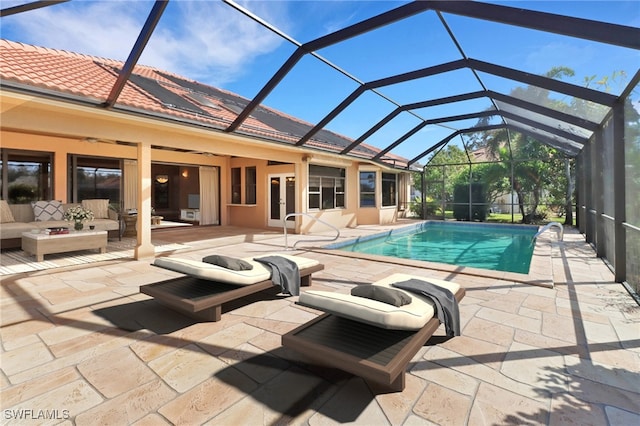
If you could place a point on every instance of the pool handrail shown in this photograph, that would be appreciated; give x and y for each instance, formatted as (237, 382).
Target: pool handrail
(560, 230)
(284, 222)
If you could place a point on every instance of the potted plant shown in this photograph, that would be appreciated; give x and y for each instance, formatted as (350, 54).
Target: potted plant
(78, 215)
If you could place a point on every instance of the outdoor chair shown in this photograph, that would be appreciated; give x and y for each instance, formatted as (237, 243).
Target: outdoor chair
(369, 338)
(205, 287)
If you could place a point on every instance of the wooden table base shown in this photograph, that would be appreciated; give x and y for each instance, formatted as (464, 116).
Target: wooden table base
(41, 244)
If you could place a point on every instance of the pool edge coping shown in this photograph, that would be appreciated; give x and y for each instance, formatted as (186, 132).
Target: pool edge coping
(540, 270)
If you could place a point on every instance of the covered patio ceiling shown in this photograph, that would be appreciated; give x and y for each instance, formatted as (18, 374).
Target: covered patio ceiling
(485, 94)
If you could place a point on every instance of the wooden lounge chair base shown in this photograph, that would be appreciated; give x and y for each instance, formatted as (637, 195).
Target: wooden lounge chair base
(373, 353)
(203, 299)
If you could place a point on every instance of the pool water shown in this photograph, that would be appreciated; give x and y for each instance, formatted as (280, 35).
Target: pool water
(496, 247)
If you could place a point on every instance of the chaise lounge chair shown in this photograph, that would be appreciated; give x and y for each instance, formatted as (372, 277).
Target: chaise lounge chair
(201, 293)
(368, 338)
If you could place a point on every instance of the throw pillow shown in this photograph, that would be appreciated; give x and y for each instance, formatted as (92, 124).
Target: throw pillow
(47, 210)
(6, 216)
(228, 262)
(99, 207)
(382, 294)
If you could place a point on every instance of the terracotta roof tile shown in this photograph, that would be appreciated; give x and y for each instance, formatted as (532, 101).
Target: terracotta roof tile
(92, 78)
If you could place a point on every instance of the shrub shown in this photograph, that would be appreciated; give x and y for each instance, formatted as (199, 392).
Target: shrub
(20, 193)
(431, 207)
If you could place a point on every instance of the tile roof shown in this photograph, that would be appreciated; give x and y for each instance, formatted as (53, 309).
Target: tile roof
(154, 91)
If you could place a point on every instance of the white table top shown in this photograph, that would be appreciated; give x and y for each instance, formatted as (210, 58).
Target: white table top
(41, 235)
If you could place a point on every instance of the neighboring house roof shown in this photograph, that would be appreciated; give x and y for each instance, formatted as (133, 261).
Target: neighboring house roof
(482, 154)
(160, 93)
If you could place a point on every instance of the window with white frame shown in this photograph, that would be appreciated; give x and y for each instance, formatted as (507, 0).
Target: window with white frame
(326, 187)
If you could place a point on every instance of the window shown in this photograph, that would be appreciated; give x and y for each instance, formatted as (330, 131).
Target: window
(250, 185)
(160, 198)
(95, 177)
(26, 176)
(389, 190)
(314, 192)
(326, 187)
(367, 189)
(236, 186)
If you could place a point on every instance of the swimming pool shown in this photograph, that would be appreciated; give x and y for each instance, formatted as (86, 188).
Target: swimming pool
(506, 248)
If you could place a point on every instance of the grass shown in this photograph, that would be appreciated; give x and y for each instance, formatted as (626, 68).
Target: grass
(504, 218)
(517, 218)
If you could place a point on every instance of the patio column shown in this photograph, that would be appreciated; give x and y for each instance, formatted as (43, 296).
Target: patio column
(144, 248)
(597, 188)
(619, 182)
(302, 178)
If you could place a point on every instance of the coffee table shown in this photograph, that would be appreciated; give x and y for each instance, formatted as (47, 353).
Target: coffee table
(41, 244)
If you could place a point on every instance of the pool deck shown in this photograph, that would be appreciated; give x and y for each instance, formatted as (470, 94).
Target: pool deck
(84, 344)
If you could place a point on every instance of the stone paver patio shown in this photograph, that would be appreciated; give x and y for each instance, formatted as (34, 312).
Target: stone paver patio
(83, 346)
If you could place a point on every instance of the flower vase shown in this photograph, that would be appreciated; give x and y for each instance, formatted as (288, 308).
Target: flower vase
(78, 226)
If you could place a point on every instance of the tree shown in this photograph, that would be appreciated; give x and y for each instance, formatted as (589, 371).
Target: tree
(534, 165)
(438, 190)
(540, 170)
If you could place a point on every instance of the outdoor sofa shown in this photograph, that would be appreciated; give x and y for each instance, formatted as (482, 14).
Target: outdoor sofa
(18, 218)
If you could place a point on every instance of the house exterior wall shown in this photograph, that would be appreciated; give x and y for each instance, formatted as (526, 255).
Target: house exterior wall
(40, 124)
(247, 215)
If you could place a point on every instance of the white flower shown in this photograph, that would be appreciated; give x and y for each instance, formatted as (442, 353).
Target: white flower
(78, 214)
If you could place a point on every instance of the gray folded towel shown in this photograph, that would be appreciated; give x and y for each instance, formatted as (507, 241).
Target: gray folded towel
(446, 304)
(284, 272)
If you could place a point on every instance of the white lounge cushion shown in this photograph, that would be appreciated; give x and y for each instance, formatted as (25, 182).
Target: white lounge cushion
(412, 316)
(208, 271)
(302, 262)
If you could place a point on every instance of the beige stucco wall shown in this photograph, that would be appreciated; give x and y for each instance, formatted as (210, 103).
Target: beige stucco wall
(253, 216)
(62, 128)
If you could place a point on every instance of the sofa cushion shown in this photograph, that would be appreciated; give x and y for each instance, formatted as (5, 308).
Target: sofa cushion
(22, 212)
(15, 229)
(47, 210)
(5, 212)
(99, 207)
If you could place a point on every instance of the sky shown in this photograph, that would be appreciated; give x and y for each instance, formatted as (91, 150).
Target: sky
(213, 42)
